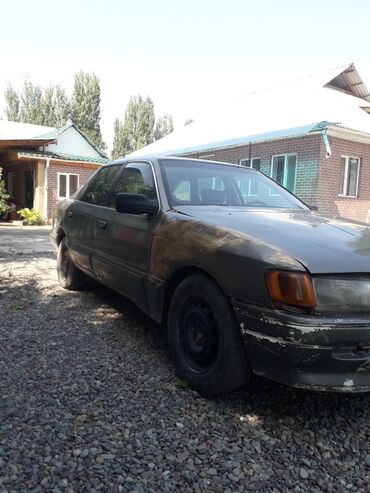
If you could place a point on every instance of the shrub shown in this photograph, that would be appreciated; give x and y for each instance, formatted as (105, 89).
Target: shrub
(4, 206)
(32, 217)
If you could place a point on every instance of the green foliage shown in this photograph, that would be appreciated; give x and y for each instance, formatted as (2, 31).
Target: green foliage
(62, 106)
(32, 217)
(85, 106)
(118, 140)
(50, 106)
(31, 106)
(182, 384)
(12, 108)
(137, 129)
(4, 206)
(47, 106)
(138, 124)
(163, 127)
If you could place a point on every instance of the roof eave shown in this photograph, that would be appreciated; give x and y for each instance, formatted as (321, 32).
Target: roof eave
(348, 134)
(32, 143)
(60, 160)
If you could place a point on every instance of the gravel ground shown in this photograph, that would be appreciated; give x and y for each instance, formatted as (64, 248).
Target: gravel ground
(90, 402)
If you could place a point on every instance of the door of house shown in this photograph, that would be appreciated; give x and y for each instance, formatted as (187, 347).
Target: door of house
(29, 189)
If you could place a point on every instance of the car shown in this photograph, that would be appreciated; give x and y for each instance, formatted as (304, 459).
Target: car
(247, 278)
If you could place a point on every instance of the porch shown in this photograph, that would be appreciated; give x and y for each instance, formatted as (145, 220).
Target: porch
(24, 180)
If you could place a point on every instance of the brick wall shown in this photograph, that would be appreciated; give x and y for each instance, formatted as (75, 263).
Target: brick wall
(83, 171)
(327, 197)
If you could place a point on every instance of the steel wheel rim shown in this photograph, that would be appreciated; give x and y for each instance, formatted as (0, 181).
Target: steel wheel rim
(198, 335)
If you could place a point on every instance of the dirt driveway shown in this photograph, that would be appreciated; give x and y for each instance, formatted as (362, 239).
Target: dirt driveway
(90, 402)
(18, 239)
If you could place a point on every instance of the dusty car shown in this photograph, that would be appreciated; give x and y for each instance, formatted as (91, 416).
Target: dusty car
(247, 278)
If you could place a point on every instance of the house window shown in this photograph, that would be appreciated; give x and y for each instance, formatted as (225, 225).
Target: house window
(256, 163)
(67, 184)
(350, 172)
(283, 170)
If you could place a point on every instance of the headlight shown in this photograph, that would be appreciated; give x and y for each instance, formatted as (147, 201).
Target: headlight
(349, 295)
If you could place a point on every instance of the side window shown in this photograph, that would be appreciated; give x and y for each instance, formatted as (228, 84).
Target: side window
(136, 178)
(97, 189)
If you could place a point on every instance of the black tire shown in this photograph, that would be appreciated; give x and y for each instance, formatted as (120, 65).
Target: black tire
(204, 337)
(69, 276)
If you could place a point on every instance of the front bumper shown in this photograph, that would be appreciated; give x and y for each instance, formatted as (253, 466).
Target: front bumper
(307, 352)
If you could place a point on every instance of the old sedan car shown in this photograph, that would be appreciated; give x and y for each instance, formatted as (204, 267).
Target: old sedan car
(247, 278)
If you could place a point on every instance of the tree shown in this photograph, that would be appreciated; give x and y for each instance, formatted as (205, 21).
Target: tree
(188, 121)
(42, 106)
(30, 111)
(138, 124)
(4, 206)
(62, 106)
(12, 108)
(47, 107)
(85, 106)
(163, 127)
(118, 140)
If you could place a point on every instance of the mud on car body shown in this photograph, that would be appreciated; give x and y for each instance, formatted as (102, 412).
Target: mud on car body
(247, 278)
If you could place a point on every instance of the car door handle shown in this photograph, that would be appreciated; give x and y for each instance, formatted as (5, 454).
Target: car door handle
(69, 213)
(102, 224)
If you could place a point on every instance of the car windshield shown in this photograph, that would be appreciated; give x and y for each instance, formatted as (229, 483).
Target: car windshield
(203, 183)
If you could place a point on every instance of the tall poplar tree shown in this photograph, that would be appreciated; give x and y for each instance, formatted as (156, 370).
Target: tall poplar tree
(118, 140)
(31, 106)
(163, 126)
(137, 128)
(85, 106)
(62, 106)
(12, 100)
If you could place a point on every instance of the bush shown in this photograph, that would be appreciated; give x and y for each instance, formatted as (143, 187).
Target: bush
(4, 206)
(32, 217)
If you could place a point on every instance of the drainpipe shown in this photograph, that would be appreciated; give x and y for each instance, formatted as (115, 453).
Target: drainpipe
(47, 163)
(326, 142)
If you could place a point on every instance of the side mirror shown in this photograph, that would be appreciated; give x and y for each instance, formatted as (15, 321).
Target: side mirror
(313, 207)
(136, 203)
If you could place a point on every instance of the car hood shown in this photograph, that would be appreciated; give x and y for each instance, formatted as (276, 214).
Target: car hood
(320, 243)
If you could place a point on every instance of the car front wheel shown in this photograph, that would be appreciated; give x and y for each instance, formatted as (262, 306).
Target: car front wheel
(69, 276)
(204, 337)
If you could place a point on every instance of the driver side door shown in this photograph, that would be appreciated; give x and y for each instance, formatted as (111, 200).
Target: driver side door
(121, 257)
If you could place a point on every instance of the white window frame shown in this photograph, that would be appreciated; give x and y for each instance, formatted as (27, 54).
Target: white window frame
(67, 175)
(345, 179)
(247, 159)
(285, 166)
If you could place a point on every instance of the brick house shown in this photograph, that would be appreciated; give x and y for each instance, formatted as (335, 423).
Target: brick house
(41, 165)
(326, 163)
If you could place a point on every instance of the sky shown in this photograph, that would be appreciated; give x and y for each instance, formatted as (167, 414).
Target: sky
(187, 55)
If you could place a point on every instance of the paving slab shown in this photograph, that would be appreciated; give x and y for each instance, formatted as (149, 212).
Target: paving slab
(16, 239)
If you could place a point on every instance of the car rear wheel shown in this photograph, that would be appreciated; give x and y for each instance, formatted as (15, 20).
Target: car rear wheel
(204, 337)
(69, 276)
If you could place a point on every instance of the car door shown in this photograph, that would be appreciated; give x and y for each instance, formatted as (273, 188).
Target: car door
(81, 216)
(123, 241)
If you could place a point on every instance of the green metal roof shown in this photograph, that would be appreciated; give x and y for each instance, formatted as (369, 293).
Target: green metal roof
(66, 157)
